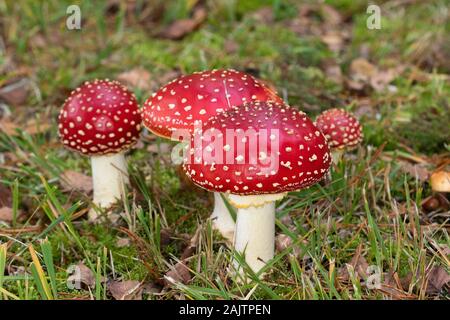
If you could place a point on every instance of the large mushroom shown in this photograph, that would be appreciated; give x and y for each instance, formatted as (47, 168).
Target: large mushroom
(267, 149)
(190, 100)
(341, 129)
(101, 119)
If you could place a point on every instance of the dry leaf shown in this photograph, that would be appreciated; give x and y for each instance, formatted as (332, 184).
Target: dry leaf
(437, 278)
(165, 236)
(415, 170)
(362, 70)
(330, 15)
(6, 214)
(364, 107)
(125, 290)
(177, 274)
(137, 77)
(381, 79)
(72, 180)
(333, 40)
(180, 272)
(31, 127)
(5, 196)
(180, 28)
(334, 73)
(287, 220)
(15, 93)
(192, 246)
(123, 242)
(82, 275)
(151, 288)
(5, 111)
(283, 241)
(364, 74)
(392, 286)
(359, 264)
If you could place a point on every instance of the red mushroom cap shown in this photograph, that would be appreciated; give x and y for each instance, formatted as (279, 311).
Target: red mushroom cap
(298, 151)
(100, 117)
(194, 98)
(340, 128)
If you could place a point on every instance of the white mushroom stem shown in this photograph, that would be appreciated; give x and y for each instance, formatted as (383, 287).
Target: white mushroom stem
(336, 154)
(109, 174)
(221, 218)
(255, 228)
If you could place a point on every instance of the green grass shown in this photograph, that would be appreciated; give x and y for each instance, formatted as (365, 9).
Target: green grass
(371, 206)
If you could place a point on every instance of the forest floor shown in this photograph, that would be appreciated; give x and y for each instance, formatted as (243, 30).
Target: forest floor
(376, 231)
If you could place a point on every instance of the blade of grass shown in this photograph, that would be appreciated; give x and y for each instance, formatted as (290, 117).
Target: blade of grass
(47, 253)
(2, 263)
(39, 275)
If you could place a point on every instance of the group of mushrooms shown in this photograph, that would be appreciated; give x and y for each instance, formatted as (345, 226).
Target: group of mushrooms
(102, 119)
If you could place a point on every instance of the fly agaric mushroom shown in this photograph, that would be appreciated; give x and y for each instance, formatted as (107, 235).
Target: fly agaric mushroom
(101, 119)
(341, 129)
(270, 149)
(192, 99)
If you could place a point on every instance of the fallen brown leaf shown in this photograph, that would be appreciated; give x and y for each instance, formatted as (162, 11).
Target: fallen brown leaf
(15, 93)
(392, 286)
(287, 220)
(437, 278)
(192, 246)
(283, 241)
(333, 72)
(415, 170)
(381, 79)
(32, 127)
(330, 15)
(72, 180)
(180, 272)
(125, 290)
(359, 264)
(123, 242)
(180, 28)
(364, 74)
(151, 288)
(5, 196)
(362, 70)
(165, 236)
(6, 214)
(333, 40)
(177, 274)
(137, 77)
(83, 276)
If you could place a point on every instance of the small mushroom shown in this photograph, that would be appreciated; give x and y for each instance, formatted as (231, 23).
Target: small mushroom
(192, 99)
(341, 129)
(283, 151)
(440, 181)
(101, 119)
